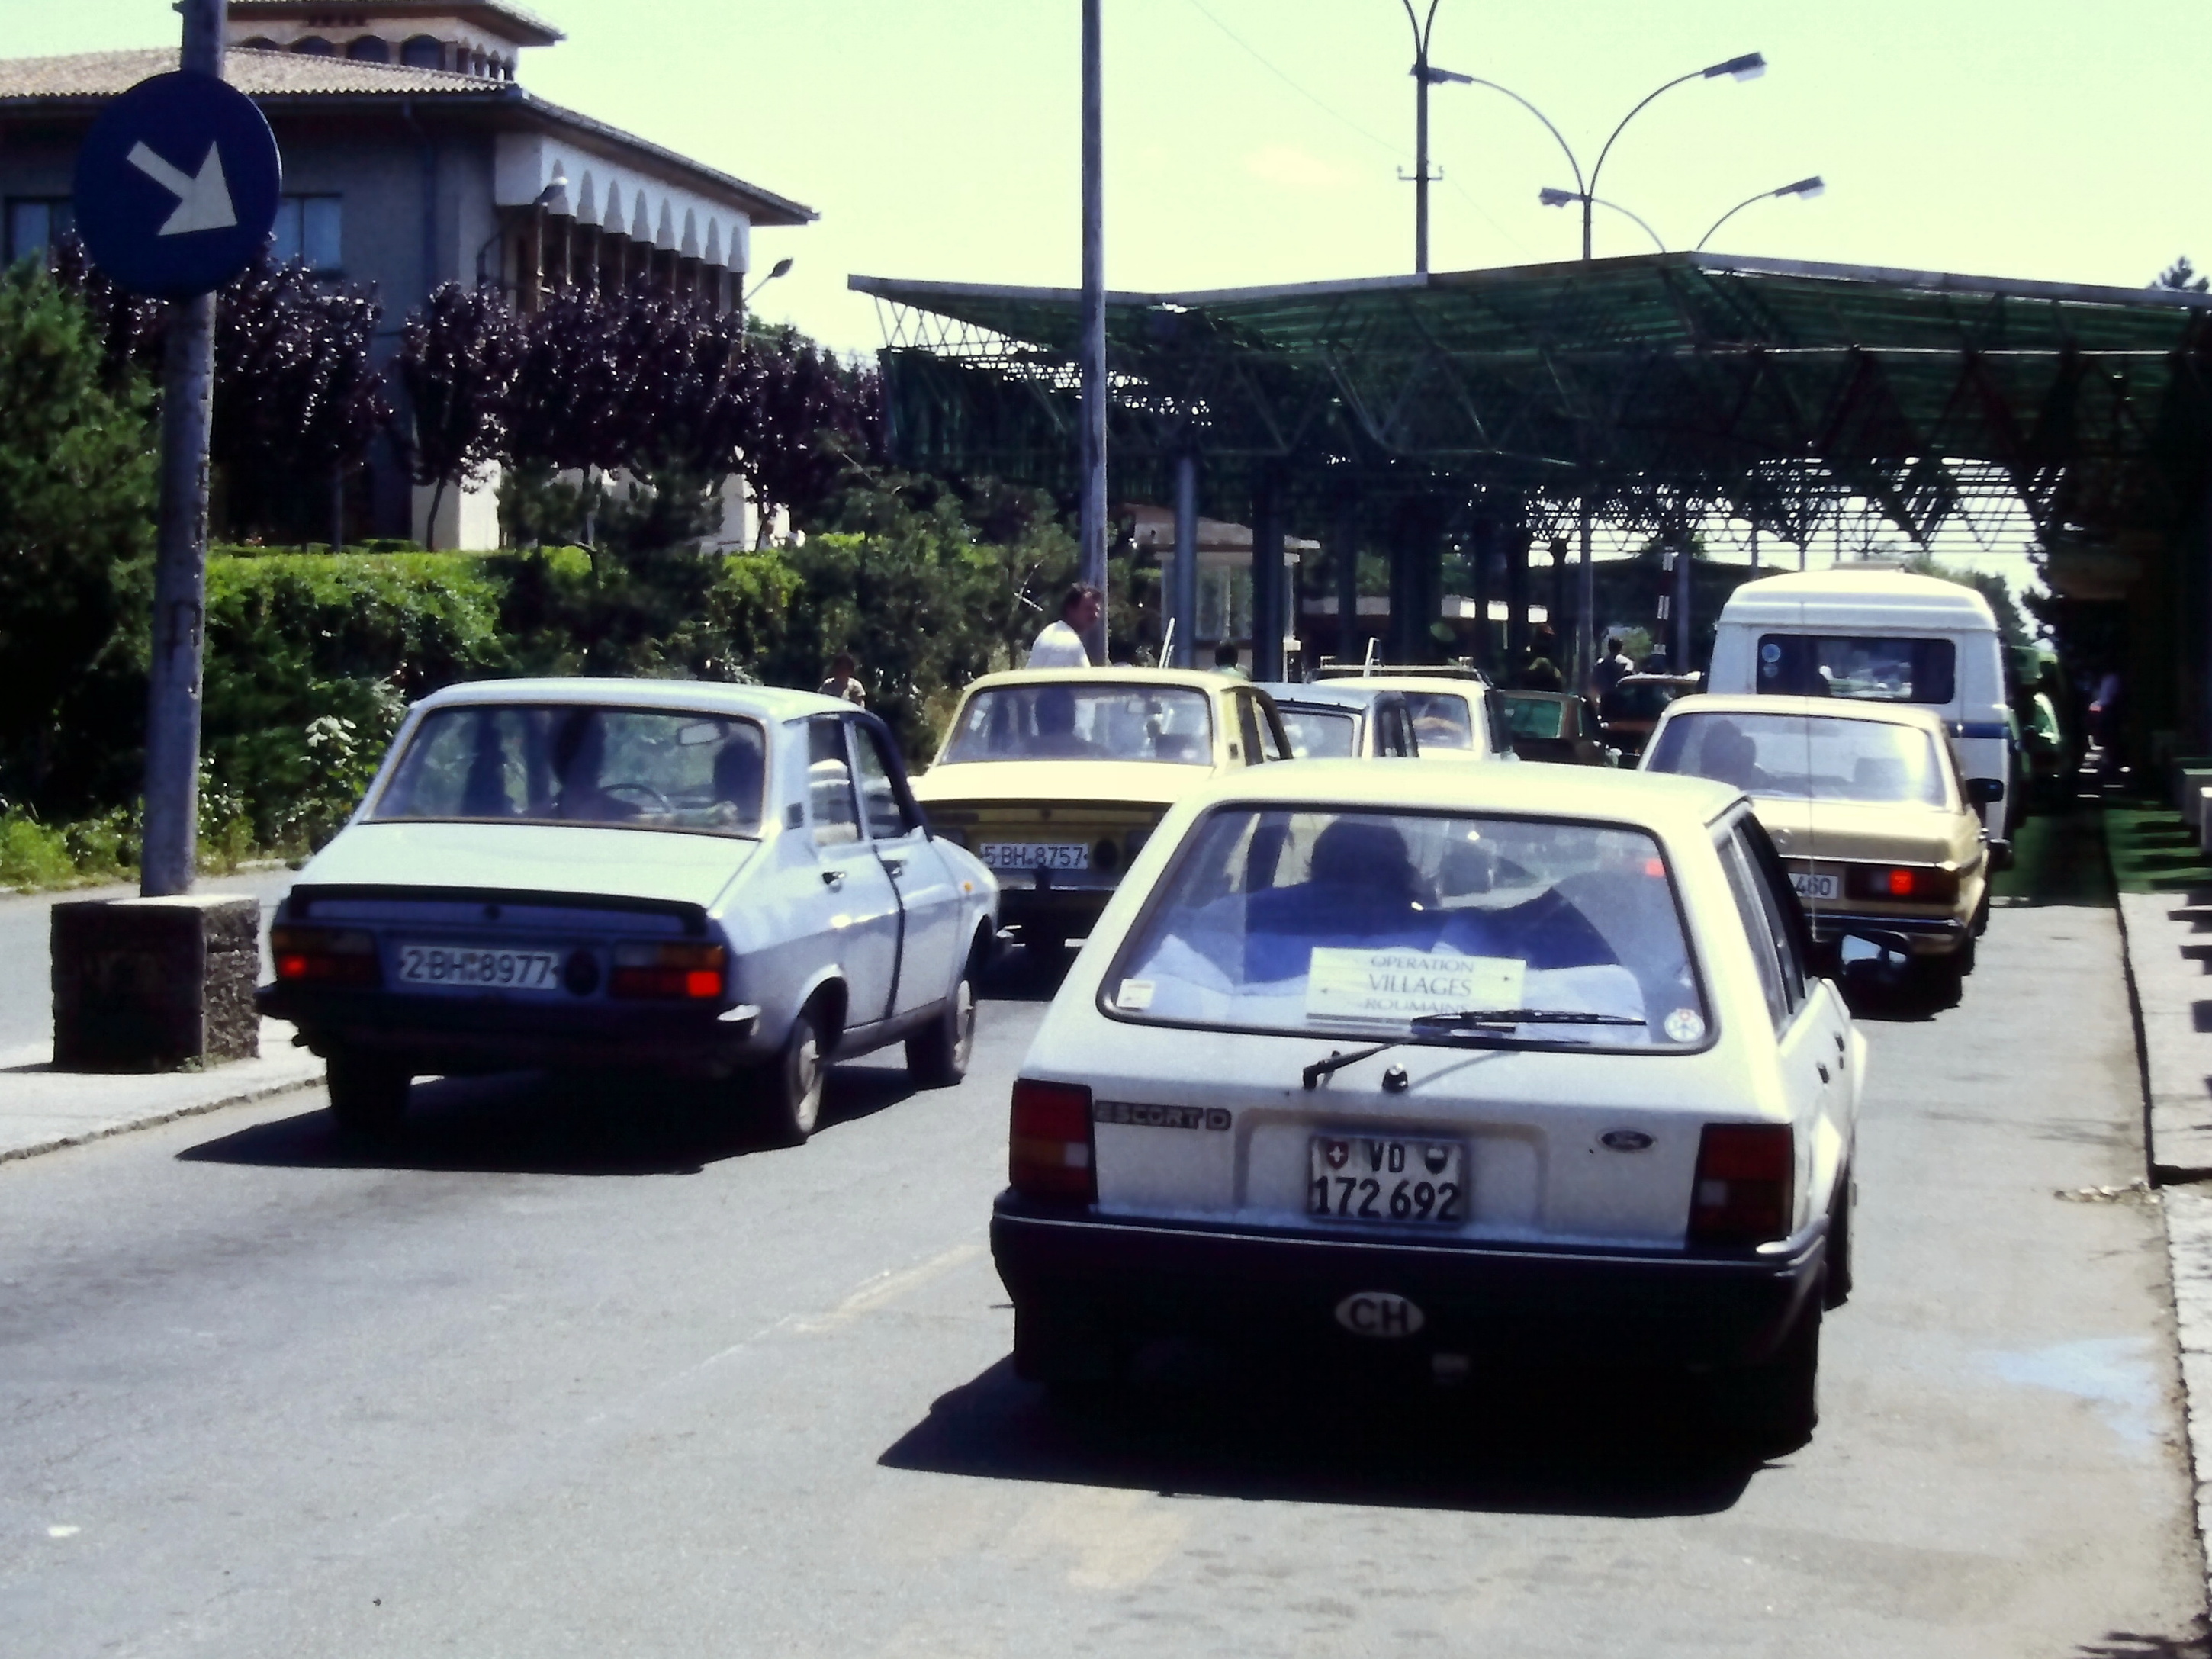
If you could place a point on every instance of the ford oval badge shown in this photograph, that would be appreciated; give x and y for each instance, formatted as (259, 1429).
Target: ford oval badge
(1625, 1140)
(1383, 1314)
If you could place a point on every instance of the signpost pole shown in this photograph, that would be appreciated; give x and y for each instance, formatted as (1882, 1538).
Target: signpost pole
(173, 699)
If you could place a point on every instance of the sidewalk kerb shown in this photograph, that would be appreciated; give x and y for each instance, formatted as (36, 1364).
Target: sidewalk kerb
(246, 1096)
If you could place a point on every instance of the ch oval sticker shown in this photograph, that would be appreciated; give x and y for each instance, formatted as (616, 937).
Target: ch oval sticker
(1383, 1314)
(1626, 1140)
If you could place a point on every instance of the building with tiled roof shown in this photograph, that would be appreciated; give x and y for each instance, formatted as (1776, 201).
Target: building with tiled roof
(414, 157)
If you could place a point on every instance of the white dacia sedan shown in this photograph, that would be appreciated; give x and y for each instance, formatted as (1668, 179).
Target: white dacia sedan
(1454, 1067)
(721, 882)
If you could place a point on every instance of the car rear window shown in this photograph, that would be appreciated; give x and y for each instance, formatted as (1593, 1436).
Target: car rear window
(1440, 719)
(1867, 667)
(633, 769)
(1320, 734)
(1364, 923)
(1805, 757)
(1058, 721)
(1537, 717)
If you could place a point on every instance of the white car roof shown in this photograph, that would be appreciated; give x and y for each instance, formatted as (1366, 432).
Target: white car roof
(1844, 598)
(1663, 801)
(1918, 716)
(765, 702)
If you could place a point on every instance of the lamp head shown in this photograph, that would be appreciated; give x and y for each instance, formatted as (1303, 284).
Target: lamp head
(1551, 195)
(554, 199)
(780, 267)
(1749, 67)
(1806, 187)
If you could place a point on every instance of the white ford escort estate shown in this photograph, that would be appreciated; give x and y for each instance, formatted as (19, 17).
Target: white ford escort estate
(1450, 1067)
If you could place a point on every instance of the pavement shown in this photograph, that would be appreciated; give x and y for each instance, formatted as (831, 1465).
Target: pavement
(588, 1369)
(43, 1110)
(2165, 908)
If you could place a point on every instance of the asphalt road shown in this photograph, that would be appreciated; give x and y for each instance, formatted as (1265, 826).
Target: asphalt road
(578, 1374)
(26, 998)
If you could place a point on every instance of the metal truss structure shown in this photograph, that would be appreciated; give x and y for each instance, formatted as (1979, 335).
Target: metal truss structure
(1652, 392)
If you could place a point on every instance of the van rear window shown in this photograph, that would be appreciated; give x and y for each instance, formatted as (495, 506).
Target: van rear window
(1868, 668)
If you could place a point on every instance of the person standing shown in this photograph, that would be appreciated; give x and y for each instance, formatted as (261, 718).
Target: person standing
(1059, 645)
(843, 682)
(1612, 668)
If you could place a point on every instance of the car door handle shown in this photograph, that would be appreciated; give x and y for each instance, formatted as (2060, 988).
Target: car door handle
(897, 866)
(833, 877)
(1823, 1070)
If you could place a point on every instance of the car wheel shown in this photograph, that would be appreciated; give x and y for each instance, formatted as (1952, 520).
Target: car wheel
(1941, 980)
(1773, 1407)
(1836, 1287)
(937, 1058)
(791, 1083)
(368, 1096)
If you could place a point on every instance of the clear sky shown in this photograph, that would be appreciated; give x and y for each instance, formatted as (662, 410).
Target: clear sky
(938, 138)
(1258, 141)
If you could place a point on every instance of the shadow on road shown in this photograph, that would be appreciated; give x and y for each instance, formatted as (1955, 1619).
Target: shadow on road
(1553, 1448)
(1021, 974)
(533, 1124)
(2128, 1644)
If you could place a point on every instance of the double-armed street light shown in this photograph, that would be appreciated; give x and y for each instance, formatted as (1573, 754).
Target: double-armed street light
(1551, 196)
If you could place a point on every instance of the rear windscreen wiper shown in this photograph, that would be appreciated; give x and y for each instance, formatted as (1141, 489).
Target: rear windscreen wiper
(1519, 1016)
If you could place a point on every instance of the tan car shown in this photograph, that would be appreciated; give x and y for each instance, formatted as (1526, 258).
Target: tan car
(1055, 778)
(1866, 805)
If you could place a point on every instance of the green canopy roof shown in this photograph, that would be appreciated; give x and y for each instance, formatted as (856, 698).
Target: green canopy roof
(1657, 387)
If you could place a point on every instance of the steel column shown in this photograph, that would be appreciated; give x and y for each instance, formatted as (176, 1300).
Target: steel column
(1183, 582)
(1266, 582)
(1680, 654)
(1345, 554)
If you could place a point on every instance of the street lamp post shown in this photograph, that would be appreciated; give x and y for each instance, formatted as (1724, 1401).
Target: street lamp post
(1551, 196)
(1806, 188)
(1091, 523)
(1747, 67)
(1423, 78)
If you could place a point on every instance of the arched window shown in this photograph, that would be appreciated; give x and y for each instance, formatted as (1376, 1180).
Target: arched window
(477, 64)
(315, 47)
(424, 51)
(368, 49)
(260, 43)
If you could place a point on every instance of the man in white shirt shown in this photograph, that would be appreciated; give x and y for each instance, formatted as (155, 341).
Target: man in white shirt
(1059, 645)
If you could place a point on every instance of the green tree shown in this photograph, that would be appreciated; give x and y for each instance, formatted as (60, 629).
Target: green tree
(76, 522)
(2182, 277)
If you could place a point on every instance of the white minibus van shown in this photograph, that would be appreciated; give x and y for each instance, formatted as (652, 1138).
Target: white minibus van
(1882, 635)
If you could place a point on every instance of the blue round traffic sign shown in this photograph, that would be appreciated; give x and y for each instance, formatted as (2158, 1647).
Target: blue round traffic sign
(177, 185)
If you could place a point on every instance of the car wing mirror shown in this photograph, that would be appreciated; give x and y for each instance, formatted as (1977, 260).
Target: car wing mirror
(1986, 791)
(1872, 958)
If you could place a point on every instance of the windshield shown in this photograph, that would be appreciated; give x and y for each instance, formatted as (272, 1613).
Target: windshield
(1352, 923)
(1058, 721)
(1805, 757)
(1870, 669)
(1440, 719)
(1320, 734)
(638, 768)
(1537, 717)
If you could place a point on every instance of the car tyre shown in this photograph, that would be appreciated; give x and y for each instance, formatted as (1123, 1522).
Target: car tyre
(1942, 979)
(937, 1057)
(1773, 1407)
(368, 1095)
(791, 1085)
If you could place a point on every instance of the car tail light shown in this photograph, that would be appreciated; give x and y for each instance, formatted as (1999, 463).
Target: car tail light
(1744, 1189)
(1049, 1152)
(325, 956)
(1923, 883)
(683, 973)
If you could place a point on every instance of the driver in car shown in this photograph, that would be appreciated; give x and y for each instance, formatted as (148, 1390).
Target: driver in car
(579, 755)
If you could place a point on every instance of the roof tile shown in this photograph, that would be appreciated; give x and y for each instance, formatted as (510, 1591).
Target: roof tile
(105, 73)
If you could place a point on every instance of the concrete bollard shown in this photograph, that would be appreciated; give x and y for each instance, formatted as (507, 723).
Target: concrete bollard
(2192, 779)
(152, 985)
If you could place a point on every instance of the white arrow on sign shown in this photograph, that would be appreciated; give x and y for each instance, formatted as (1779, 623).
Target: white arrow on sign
(203, 202)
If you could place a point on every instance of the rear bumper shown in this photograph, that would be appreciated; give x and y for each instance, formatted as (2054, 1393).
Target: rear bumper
(1928, 935)
(1116, 1282)
(454, 1035)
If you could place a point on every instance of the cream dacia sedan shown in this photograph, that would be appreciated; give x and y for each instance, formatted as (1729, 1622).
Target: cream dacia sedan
(1865, 802)
(1055, 778)
(1450, 1067)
